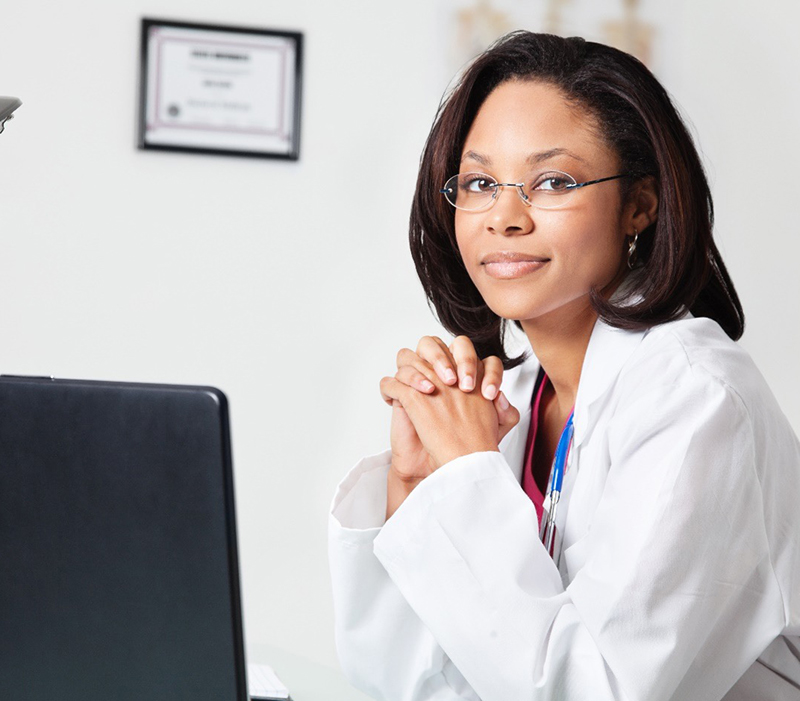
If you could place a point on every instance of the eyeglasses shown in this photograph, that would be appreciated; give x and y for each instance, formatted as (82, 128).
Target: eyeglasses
(554, 188)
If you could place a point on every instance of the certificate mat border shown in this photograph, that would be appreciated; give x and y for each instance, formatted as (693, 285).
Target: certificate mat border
(144, 59)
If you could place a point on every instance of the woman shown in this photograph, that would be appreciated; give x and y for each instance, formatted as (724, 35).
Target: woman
(618, 521)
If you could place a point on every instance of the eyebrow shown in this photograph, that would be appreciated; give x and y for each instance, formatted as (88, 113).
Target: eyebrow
(533, 159)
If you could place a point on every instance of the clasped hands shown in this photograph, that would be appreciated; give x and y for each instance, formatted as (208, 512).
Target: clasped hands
(446, 402)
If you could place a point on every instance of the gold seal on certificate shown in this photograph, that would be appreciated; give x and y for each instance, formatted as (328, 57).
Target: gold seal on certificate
(213, 89)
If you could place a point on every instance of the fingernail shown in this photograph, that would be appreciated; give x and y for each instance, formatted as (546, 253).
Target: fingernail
(490, 392)
(426, 385)
(502, 401)
(449, 375)
(467, 383)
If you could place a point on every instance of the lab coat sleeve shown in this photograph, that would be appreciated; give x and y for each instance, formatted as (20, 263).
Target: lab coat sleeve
(676, 598)
(384, 648)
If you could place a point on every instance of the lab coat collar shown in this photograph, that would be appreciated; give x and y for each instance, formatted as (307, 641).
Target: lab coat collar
(608, 350)
(519, 392)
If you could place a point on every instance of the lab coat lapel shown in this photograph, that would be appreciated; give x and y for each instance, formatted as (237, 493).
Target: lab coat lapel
(519, 392)
(608, 350)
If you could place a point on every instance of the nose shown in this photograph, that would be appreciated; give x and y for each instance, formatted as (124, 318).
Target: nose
(509, 215)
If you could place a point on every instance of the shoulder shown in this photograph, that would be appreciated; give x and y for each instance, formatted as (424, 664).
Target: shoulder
(691, 369)
(684, 362)
(694, 352)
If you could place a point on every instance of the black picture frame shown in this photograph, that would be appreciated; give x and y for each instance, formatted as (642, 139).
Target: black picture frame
(200, 116)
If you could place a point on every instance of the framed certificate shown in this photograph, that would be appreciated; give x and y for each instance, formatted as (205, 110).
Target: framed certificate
(219, 89)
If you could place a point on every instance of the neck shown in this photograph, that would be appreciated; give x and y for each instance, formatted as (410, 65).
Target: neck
(559, 340)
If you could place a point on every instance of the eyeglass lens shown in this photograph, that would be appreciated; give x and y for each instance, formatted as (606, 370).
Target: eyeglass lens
(477, 190)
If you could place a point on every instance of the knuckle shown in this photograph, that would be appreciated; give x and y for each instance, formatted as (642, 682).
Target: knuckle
(493, 375)
(404, 355)
(463, 342)
(464, 350)
(409, 375)
(431, 347)
(431, 353)
(493, 364)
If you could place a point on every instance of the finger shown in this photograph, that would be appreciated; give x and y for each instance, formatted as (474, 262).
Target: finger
(389, 398)
(492, 376)
(412, 377)
(466, 362)
(407, 357)
(434, 351)
(393, 390)
(507, 415)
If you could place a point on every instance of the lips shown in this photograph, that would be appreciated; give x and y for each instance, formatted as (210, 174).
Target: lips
(505, 265)
(512, 257)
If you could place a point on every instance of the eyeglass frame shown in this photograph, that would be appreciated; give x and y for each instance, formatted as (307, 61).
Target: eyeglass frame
(519, 186)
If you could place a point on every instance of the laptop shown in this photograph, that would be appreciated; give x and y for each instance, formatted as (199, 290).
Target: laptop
(119, 574)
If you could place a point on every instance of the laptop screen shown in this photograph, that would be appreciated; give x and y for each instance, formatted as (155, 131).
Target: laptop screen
(118, 561)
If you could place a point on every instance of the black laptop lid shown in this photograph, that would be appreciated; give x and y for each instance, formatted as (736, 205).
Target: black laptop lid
(118, 563)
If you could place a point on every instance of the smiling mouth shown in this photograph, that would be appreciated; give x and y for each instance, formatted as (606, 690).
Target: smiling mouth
(510, 269)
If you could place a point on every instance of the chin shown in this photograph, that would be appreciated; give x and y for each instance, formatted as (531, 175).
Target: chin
(526, 306)
(517, 312)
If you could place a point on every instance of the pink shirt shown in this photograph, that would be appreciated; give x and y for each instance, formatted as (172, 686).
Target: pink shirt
(528, 483)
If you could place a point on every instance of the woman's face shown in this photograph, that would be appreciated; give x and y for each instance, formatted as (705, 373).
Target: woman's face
(525, 128)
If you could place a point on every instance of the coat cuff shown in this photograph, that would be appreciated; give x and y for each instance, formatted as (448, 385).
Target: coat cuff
(472, 503)
(464, 471)
(358, 510)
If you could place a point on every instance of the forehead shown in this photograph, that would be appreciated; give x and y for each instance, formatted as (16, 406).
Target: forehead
(520, 119)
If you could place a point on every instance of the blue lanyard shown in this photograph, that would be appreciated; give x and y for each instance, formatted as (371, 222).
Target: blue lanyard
(548, 529)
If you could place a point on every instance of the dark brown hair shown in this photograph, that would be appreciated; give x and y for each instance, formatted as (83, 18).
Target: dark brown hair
(681, 266)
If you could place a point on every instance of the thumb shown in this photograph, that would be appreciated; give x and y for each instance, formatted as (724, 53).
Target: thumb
(507, 415)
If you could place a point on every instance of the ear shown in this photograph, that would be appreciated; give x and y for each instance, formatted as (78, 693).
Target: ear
(641, 209)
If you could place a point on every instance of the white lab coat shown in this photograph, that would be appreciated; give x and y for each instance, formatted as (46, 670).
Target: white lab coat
(681, 565)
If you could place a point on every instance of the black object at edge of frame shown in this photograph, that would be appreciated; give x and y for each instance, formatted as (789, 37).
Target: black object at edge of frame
(294, 153)
(221, 400)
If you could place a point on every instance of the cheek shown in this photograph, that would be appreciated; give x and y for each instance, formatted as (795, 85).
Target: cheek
(594, 246)
(591, 250)
(467, 241)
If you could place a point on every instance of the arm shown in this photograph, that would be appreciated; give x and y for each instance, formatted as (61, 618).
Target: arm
(384, 648)
(677, 596)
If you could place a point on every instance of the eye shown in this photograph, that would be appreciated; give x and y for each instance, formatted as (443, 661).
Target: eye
(476, 183)
(554, 182)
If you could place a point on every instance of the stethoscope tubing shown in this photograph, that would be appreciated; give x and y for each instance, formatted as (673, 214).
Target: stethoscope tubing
(548, 529)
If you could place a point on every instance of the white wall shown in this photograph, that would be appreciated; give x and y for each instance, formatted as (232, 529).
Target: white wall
(286, 285)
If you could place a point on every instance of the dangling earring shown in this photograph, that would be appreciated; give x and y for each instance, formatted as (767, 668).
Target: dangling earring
(632, 250)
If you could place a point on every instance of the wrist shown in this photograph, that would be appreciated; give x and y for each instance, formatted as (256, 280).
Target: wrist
(398, 487)
(449, 456)
(403, 480)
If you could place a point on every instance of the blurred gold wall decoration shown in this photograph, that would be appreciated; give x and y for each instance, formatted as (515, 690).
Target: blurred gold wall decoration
(630, 33)
(635, 26)
(478, 25)
(554, 19)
